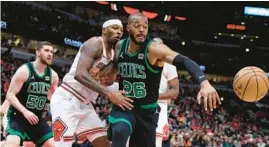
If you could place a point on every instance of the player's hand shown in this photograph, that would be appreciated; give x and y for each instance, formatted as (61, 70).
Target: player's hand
(121, 101)
(31, 117)
(210, 96)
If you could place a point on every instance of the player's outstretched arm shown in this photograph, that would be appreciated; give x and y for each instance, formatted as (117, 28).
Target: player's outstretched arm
(90, 52)
(207, 91)
(170, 72)
(112, 67)
(19, 78)
(54, 84)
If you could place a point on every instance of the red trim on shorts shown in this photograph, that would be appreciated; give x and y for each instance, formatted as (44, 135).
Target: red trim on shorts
(68, 138)
(91, 132)
(74, 90)
(73, 93)
(159, 135)
(83, 137)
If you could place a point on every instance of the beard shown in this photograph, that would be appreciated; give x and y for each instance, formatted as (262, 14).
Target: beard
(44, 61)
(133, 39)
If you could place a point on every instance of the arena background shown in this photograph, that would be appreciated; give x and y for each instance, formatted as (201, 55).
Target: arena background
(222, 37)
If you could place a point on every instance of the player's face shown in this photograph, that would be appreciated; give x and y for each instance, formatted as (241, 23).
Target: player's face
(46, 54)
(138, 29)
(114, 33)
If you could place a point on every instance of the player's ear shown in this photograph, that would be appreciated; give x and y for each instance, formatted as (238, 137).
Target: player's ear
(127, 28)
(37, 52)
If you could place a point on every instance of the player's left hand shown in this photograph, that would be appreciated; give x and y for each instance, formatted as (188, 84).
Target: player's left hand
(210, 96)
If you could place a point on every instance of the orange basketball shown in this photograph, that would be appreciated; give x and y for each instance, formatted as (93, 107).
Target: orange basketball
(251, 84)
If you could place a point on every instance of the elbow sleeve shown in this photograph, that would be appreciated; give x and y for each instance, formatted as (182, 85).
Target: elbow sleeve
(190, 66)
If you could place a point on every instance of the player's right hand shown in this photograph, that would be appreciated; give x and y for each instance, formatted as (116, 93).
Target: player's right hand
(31, 117)
(121, 101)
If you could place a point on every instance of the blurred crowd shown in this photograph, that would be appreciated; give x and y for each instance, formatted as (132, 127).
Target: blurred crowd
(190, 125)
(56, 24)
(56, 21)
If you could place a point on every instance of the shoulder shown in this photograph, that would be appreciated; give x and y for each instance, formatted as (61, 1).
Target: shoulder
(92, 47)
(24, 69)
(93, 41)
(54, 74)
(154, 46)
(22, 72)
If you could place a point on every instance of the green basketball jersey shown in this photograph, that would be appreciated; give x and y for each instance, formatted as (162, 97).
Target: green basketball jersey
(138, 77)
(33, 94)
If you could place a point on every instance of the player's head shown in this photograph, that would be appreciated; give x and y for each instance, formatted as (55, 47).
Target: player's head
(137, 27)
(112, 30)
(44, 52)
(158, 40)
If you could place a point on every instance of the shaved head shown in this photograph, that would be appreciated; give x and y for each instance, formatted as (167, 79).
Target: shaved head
(136, 16)
(137, 27)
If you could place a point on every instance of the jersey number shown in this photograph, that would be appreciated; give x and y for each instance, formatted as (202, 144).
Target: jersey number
(36, 102)
(137, 89)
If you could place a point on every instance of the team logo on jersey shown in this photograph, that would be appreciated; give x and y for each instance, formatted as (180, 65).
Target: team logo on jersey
(140, 56)
(47, 78)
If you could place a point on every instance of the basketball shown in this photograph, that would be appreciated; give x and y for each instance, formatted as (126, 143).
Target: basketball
(251, 84)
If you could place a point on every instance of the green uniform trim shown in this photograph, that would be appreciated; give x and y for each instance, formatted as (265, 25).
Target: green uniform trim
(50, 75)
(10, 131)
(116, 120)
(120, 49)
(147, 62)
(30, 73)
(26, 137)
(39, 76)
(148, 106)
(127, 51)
(44, 138)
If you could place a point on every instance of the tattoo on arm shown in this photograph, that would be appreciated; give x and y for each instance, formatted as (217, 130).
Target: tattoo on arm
(91, 51)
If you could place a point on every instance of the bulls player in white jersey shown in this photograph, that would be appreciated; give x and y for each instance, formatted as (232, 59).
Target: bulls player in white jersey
(169, 89)
(71, 108)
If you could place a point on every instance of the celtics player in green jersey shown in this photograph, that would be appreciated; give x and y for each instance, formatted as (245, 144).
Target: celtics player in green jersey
(139, 61)
(31, 87)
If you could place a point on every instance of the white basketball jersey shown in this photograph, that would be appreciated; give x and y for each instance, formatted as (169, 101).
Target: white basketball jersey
(73, 86)
(169, 72)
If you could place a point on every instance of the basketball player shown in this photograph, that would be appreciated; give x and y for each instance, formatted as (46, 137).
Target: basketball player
(168, 90)
(140, 63)
(71, 108)
(30, 88)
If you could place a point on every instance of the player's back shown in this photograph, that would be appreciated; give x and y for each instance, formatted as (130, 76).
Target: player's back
(33, 94)
(138, 79)
(77, 89)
